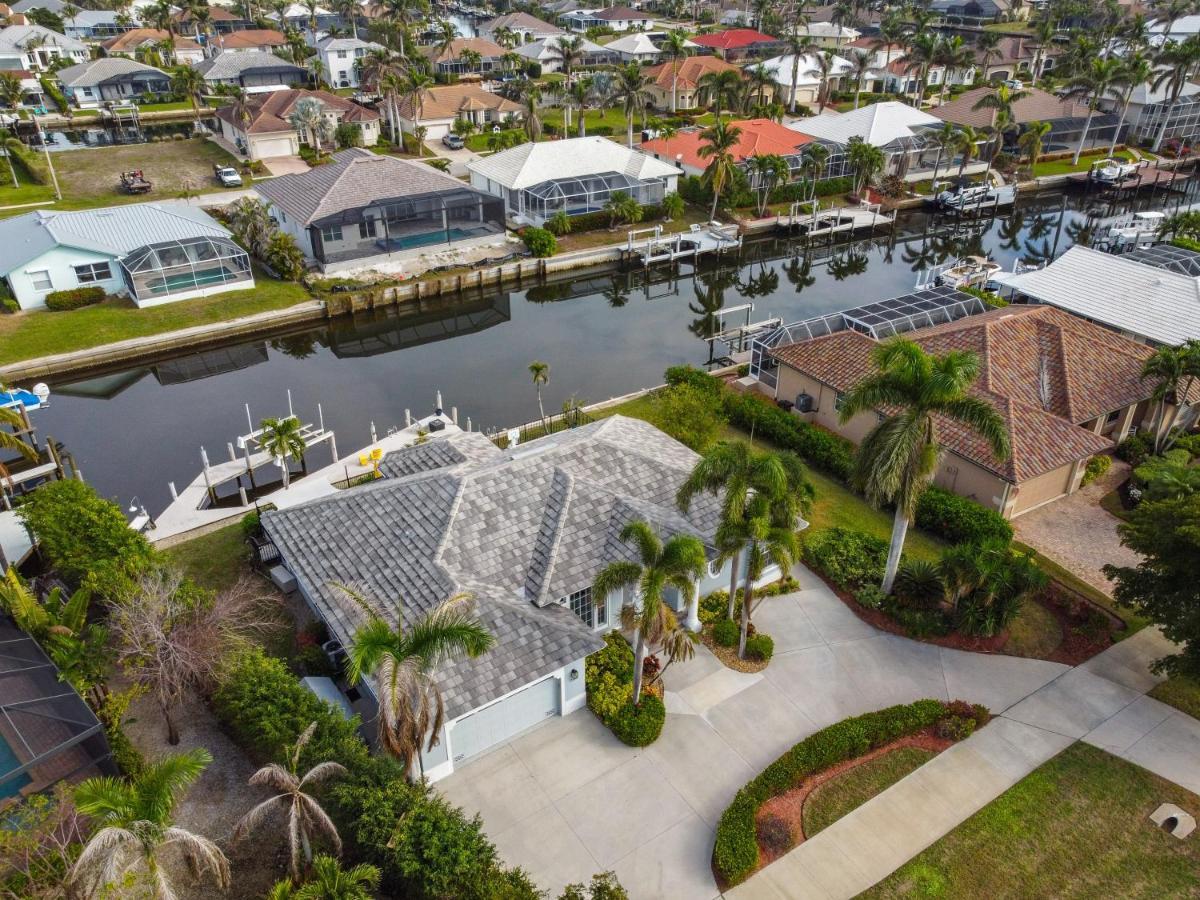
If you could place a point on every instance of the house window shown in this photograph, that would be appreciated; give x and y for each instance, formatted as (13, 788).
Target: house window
(41, 280)
(581, 604)
(838, 400)
(331, 233)
(366, 229)
(89, 272)
(1112, 416)
(341, 54)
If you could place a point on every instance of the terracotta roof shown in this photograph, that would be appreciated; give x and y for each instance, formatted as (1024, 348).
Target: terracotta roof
(1037, 106)
(137, 37)
(733, 38)
(691, 70)
(454, 50)
(217, 13)
(760, 137)
(1015, 49)
(621, 14)
(1045, 370)
(447, 101)
(250, 37)
(269, 112)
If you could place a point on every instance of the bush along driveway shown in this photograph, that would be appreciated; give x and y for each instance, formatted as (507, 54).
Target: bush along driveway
(567, 799)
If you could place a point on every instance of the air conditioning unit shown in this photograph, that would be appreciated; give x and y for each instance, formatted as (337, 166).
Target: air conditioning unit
(805, 403)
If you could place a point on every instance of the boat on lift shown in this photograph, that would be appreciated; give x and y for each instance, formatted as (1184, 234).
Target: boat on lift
(963, 196)
(971, 271)
(1112, 171)
(29, 400)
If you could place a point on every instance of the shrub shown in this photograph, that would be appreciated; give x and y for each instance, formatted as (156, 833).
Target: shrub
(735, 854)
(283, 256)
(559, 223)
(918, 623)
(775, 835)
(650, 668)
(311, 660)
(870, 595)
(846, 557)
(760, 646)
(607, 694)
(821, 449)
(616, 657)
(726, 633)
(955, 728)
(639, 726)
(672, 207)
(540, 242)
(1135, 448)
(959, 520)
(10, 305)
(692, 417)
(918, 584)
(1190, 443)
(713, 607)
(74, 298)
(697, 378)
(1096, 466)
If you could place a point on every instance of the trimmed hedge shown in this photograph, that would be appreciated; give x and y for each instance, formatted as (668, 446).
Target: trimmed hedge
(959, 520)
(735, 855)
(639, 726)
(820, 448)
(74, 298)
(848, 558)
(725, 632)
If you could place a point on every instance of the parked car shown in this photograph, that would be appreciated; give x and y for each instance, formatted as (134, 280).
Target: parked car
(453, 142)
(227, 175)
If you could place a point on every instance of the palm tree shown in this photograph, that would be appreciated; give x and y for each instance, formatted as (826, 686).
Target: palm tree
(719, 139)
(1100, 81)
(675, 48)
(1136, 69)
(720, 89)
(568, 51)
(922, 49)
(541, 376)
(305, 817)
(860, 66)
(283, 440)
(1173, 370)
(814, 161)
(1031, 141)
(799, 49)
(824, 62)
(133, 819)
(953, 55)
(946, 138)
(447, 34)
(758, 79)
(678, 563)
(987, 50)
(1000, 100)
(767, 171)
(350, 10)
(531, 95)
(403, 662)
(579, 95)
(866, 160)
(330, 881)
(1044, 31)
(897, 458)
(968, 145)
(1177, 61)
(631, 93)
(1168, 12)
(189, 82)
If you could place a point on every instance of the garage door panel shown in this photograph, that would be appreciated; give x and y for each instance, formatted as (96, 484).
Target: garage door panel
(495, 724)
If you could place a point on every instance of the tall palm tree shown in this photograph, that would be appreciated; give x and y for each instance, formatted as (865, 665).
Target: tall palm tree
(678, 563)
(897, 458)
(946, 138)
(767, 171)
(719, 139)
(814, 161)
(1031, 141)
(1136, 69)
(188, 81)
(720, 89)
(758, 79)
(799, 49)
(630, 88)
(311, 7)
(675, 48)
(987, 50)
(404, 662)
(1168, 12)
(1173, 371)
(1100, 81)
(922, 50)
(953, 55)
(541, 376)
(1176, 62)
(133, 819)
(865, 160)
(350, 10)
(447, 34)
(305, 817)
(283, 440)
(860, 66)
(824, 62)
(1044, 30)
(579, 95)
(569, 52)
(531, 96)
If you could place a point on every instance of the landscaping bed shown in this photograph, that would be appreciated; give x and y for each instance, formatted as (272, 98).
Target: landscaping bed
(609, 677)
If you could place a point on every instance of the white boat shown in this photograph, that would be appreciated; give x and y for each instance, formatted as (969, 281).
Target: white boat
(975, 196)
(971, 271)
(1131, 232)
(1112, 171)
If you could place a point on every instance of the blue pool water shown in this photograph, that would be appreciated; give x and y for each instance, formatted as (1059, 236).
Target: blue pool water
(432, 237)
(8, 762)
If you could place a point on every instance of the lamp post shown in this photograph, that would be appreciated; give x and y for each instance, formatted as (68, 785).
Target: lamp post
(138, 510)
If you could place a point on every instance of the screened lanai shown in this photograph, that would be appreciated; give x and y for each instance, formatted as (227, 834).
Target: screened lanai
(404, 223)
(47, 732)
(585, 194)
(168, 268)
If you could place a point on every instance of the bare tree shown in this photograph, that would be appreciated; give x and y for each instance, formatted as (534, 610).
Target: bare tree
(171, 636)
(38, 846)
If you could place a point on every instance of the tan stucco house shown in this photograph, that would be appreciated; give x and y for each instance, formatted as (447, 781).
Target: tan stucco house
(1066, 388)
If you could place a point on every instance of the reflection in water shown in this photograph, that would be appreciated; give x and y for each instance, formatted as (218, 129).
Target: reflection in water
(603, 333)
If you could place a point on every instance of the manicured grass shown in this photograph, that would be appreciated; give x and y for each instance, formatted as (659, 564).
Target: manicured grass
(213, 560)
(1034, 633)
(1066, 167)
(1181, 693)
(1077, 827)
(600, 237)
(39, 333)
(850, 790)
(25, 193)
(479, 142)
(174, 106)
(613, 118)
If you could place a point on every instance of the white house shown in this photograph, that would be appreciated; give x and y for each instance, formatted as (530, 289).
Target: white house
(339, 58)
(525, 532)
(111, 78)
(154, 253)
(808, 76)
(33, 48)
(94, 24)
(544, 53)
(827, 35)
(522, 24)
(618, 18)
(576, 175)
(637, 48)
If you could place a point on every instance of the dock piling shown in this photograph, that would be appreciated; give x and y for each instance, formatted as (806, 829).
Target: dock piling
(172, 489)
(407, 418)
(374, 437)
(454, 414)
(232, 454)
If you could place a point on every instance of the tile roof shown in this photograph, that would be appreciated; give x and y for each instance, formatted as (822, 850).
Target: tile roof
(691, 70)
(759, 137)
(18, 37)
(621, 14)
(1045, 370)
(520, 21)
(137, 37)
(1037, 106)
(518, 529)
(447, 101)
(530, 164)
(485, 48)
(226, 66)
(733, 39)
(269, 112)
(356, 178)
(878, 124)
(250, 37)
(99, 70)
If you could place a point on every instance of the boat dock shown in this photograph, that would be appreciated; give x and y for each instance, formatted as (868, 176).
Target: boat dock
(814, 223)
(1145, 177)
(652, 246)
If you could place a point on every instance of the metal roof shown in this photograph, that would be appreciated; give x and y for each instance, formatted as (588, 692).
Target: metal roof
(879, 124)
(532, 164)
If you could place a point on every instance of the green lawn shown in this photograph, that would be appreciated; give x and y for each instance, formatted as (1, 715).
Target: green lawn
(213, 560)
(1180, 692)
(600, 237)
(613, 118)
(1066, 167)
(174, 106)
(1077, 827)
(39, 333)
(24, 193)
(850, 790)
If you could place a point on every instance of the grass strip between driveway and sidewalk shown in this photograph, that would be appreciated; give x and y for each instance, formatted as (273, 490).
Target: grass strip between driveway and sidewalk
(1077, 827)
(1181, 692)
(847, 792)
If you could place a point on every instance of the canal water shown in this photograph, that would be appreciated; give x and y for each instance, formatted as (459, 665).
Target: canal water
(132, 432)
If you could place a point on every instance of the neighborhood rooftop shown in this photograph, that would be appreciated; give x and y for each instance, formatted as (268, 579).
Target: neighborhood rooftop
(532, 164)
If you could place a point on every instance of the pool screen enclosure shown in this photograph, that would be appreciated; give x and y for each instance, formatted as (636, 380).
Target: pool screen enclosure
(177, 267)
(585, 194)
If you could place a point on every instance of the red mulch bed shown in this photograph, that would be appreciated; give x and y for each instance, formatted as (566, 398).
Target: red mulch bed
(790, 806)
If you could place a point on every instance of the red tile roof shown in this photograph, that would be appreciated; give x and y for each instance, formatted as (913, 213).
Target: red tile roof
(760, 137)
(691, 70)
(733, 39)
(250, 37)
(1044, 370)
(269, 112)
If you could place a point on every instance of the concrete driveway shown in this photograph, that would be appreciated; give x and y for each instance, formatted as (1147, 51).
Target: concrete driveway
(285, 165)
(458, 158)
(567, 799)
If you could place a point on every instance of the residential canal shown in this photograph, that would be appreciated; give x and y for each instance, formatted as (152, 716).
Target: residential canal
(603, 336)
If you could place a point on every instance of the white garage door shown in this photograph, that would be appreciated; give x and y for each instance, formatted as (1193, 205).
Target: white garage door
(500, 721)
(265, 148)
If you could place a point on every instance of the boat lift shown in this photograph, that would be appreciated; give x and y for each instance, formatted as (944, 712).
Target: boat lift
(807, 217)
(656, 247)
(737, 337)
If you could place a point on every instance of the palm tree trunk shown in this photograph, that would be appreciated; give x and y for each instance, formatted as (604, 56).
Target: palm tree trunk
(1087, 123)
(1158, 425)
(541, 411)
(639, 659)
(629, 127)
(747, 599)
(733, 580)
(899, 530)
(1112, 150)
(712, 216)
(674, 77)
(1162, 129)
(936, 164)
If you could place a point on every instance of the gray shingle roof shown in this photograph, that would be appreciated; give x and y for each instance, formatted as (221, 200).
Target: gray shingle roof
(518, 529)
(356, 178)
(98, 70)
(18, 37)
(228, 66)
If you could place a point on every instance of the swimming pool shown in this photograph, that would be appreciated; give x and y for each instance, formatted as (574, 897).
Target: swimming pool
(431, 237)
(9, 762)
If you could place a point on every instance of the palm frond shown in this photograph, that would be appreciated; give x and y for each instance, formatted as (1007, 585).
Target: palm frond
(614, 577)
(449, 631)
(322, 772)
(372, 643)
(981, 417)
(200, 852)
(256, 816)
(642, 536)
(161, 783)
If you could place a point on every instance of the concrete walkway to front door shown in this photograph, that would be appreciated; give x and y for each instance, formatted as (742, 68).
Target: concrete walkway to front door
(566, 799)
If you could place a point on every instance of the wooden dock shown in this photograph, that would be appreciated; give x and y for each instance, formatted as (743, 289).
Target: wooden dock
(815, 223)
(651, 246)
(1148, 177)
